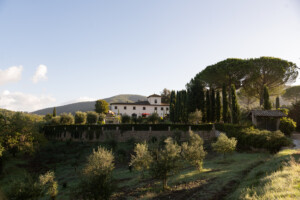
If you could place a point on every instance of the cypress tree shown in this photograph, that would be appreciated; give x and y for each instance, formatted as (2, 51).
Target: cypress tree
(54, 112)
(208, 107)
(213, 105)
(235, 106)
(277, 103)
(267, 103)
(184, 108)
(225, 105)
(172, 106)
(194, 95)
(218, 107)
(178, 107)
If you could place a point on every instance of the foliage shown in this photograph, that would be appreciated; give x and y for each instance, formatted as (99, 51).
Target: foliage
(295, 114)
(224, 144)
(142, 159)
(80, 117)
(166, 161)
(154, 118)
(213, 105)
(195, 95)
(66, 118)
(112, 143)
(267, 103)
(48, 184)
(92, 117)
(277, 103)
(292, 93)
(97, 180)
(235, 108)
(165, 95)
(101, 117)
(48, 118)
(1, 150)
(181, 112)
(55, 120)
(225, 113)
(207, 106)
(218, 106)
(287, 126)
(125, 119)
(193, 150)
(195, 117)
(54, 112)
(101, 106)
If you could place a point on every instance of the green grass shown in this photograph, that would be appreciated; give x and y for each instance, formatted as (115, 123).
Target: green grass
(239, 176)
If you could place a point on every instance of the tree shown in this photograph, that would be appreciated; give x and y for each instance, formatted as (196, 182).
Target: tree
(226, 114)
(92, 117)
(224, 144)
(101, 106)
(55, 120)
(271, 72)
(195, 117)
(172, 106)
(193, 150)
(165, 95)
(181, 114)
(218, 107)
(287, 126)
(66, 118)
(142, 159)
(48, 117)
(248, 99)
(277, 103)
(195, 95)
(54, 112)
(295, 114)
(208, 107)
(97, 181)
(166, 161)
(101, 118)
(267, 103)
(292, 93)
(125, 119)
(213, 105)
(80, 117)
(235, 106)
(48, 184)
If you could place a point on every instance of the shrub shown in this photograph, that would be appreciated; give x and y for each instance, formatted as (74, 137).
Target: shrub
(125, 119)
(48, 184)
(195, 117)
(153, 118)
(287, 126)
(80, 117)
(193, 151)
(142, 159)
(101, 118)
(66, 118)
(97, 182)
(166, 162)
(92, 117)
(55, 120)
(295, 114)
(177, 136)
(224, 144)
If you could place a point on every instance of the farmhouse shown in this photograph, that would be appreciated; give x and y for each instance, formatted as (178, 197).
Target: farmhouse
(142, 108)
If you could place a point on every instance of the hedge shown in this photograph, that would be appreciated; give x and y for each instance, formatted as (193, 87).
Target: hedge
(56, 130)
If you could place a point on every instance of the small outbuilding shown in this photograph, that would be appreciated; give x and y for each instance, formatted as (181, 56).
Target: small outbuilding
(267, 119)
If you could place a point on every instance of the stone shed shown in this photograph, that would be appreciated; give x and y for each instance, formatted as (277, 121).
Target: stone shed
(267, 119)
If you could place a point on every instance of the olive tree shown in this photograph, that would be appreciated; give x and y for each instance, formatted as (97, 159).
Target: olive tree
(224, 144)
(66, 118)
(80, 117)
(92, 117)
(142, 159)
(101, 106)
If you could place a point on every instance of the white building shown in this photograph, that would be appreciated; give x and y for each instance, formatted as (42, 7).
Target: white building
(142, 107)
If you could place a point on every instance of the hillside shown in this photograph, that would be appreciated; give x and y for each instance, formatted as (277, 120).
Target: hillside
(90, 105)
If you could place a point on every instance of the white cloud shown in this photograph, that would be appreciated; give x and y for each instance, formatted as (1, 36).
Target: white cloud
(12, 74)
(40, 74)
(19, 101)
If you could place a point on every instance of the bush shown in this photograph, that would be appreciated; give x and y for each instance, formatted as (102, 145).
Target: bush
(55, 120)
(92, 117)
(80, 117)
(125, 119)
(195, 117)
(224, 144)
(66, 118)
(142, 159)
(97, 182)
(193, 151)
(287, 126)
(48, 184)
(101, 118)
(154, 118)
(295, 114)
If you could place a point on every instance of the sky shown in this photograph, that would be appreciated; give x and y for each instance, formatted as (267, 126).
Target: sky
(54, 52)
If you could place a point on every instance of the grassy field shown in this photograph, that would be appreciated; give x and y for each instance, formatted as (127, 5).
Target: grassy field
(239, 176)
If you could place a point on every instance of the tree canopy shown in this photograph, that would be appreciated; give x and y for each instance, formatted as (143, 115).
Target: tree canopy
(292, 93)
(101, 106)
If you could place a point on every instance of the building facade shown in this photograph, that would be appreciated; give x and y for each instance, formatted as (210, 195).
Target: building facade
(140, 108)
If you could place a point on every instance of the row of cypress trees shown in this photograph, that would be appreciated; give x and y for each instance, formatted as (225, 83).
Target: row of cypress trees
(208, 101)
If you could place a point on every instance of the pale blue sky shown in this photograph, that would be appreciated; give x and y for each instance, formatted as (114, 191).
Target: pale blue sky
(97, 49)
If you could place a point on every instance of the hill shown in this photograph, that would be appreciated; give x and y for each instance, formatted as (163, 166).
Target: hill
(90, 105)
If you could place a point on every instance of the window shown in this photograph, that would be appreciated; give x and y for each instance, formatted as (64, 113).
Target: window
(155, 108)
(155, 101)
(133, 107)
(144, 108)
(116, 107)
(125, 107)
(162, 108)
(167, 108)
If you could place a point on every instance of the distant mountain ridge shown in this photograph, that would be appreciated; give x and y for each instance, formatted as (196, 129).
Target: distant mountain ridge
(90, 105)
